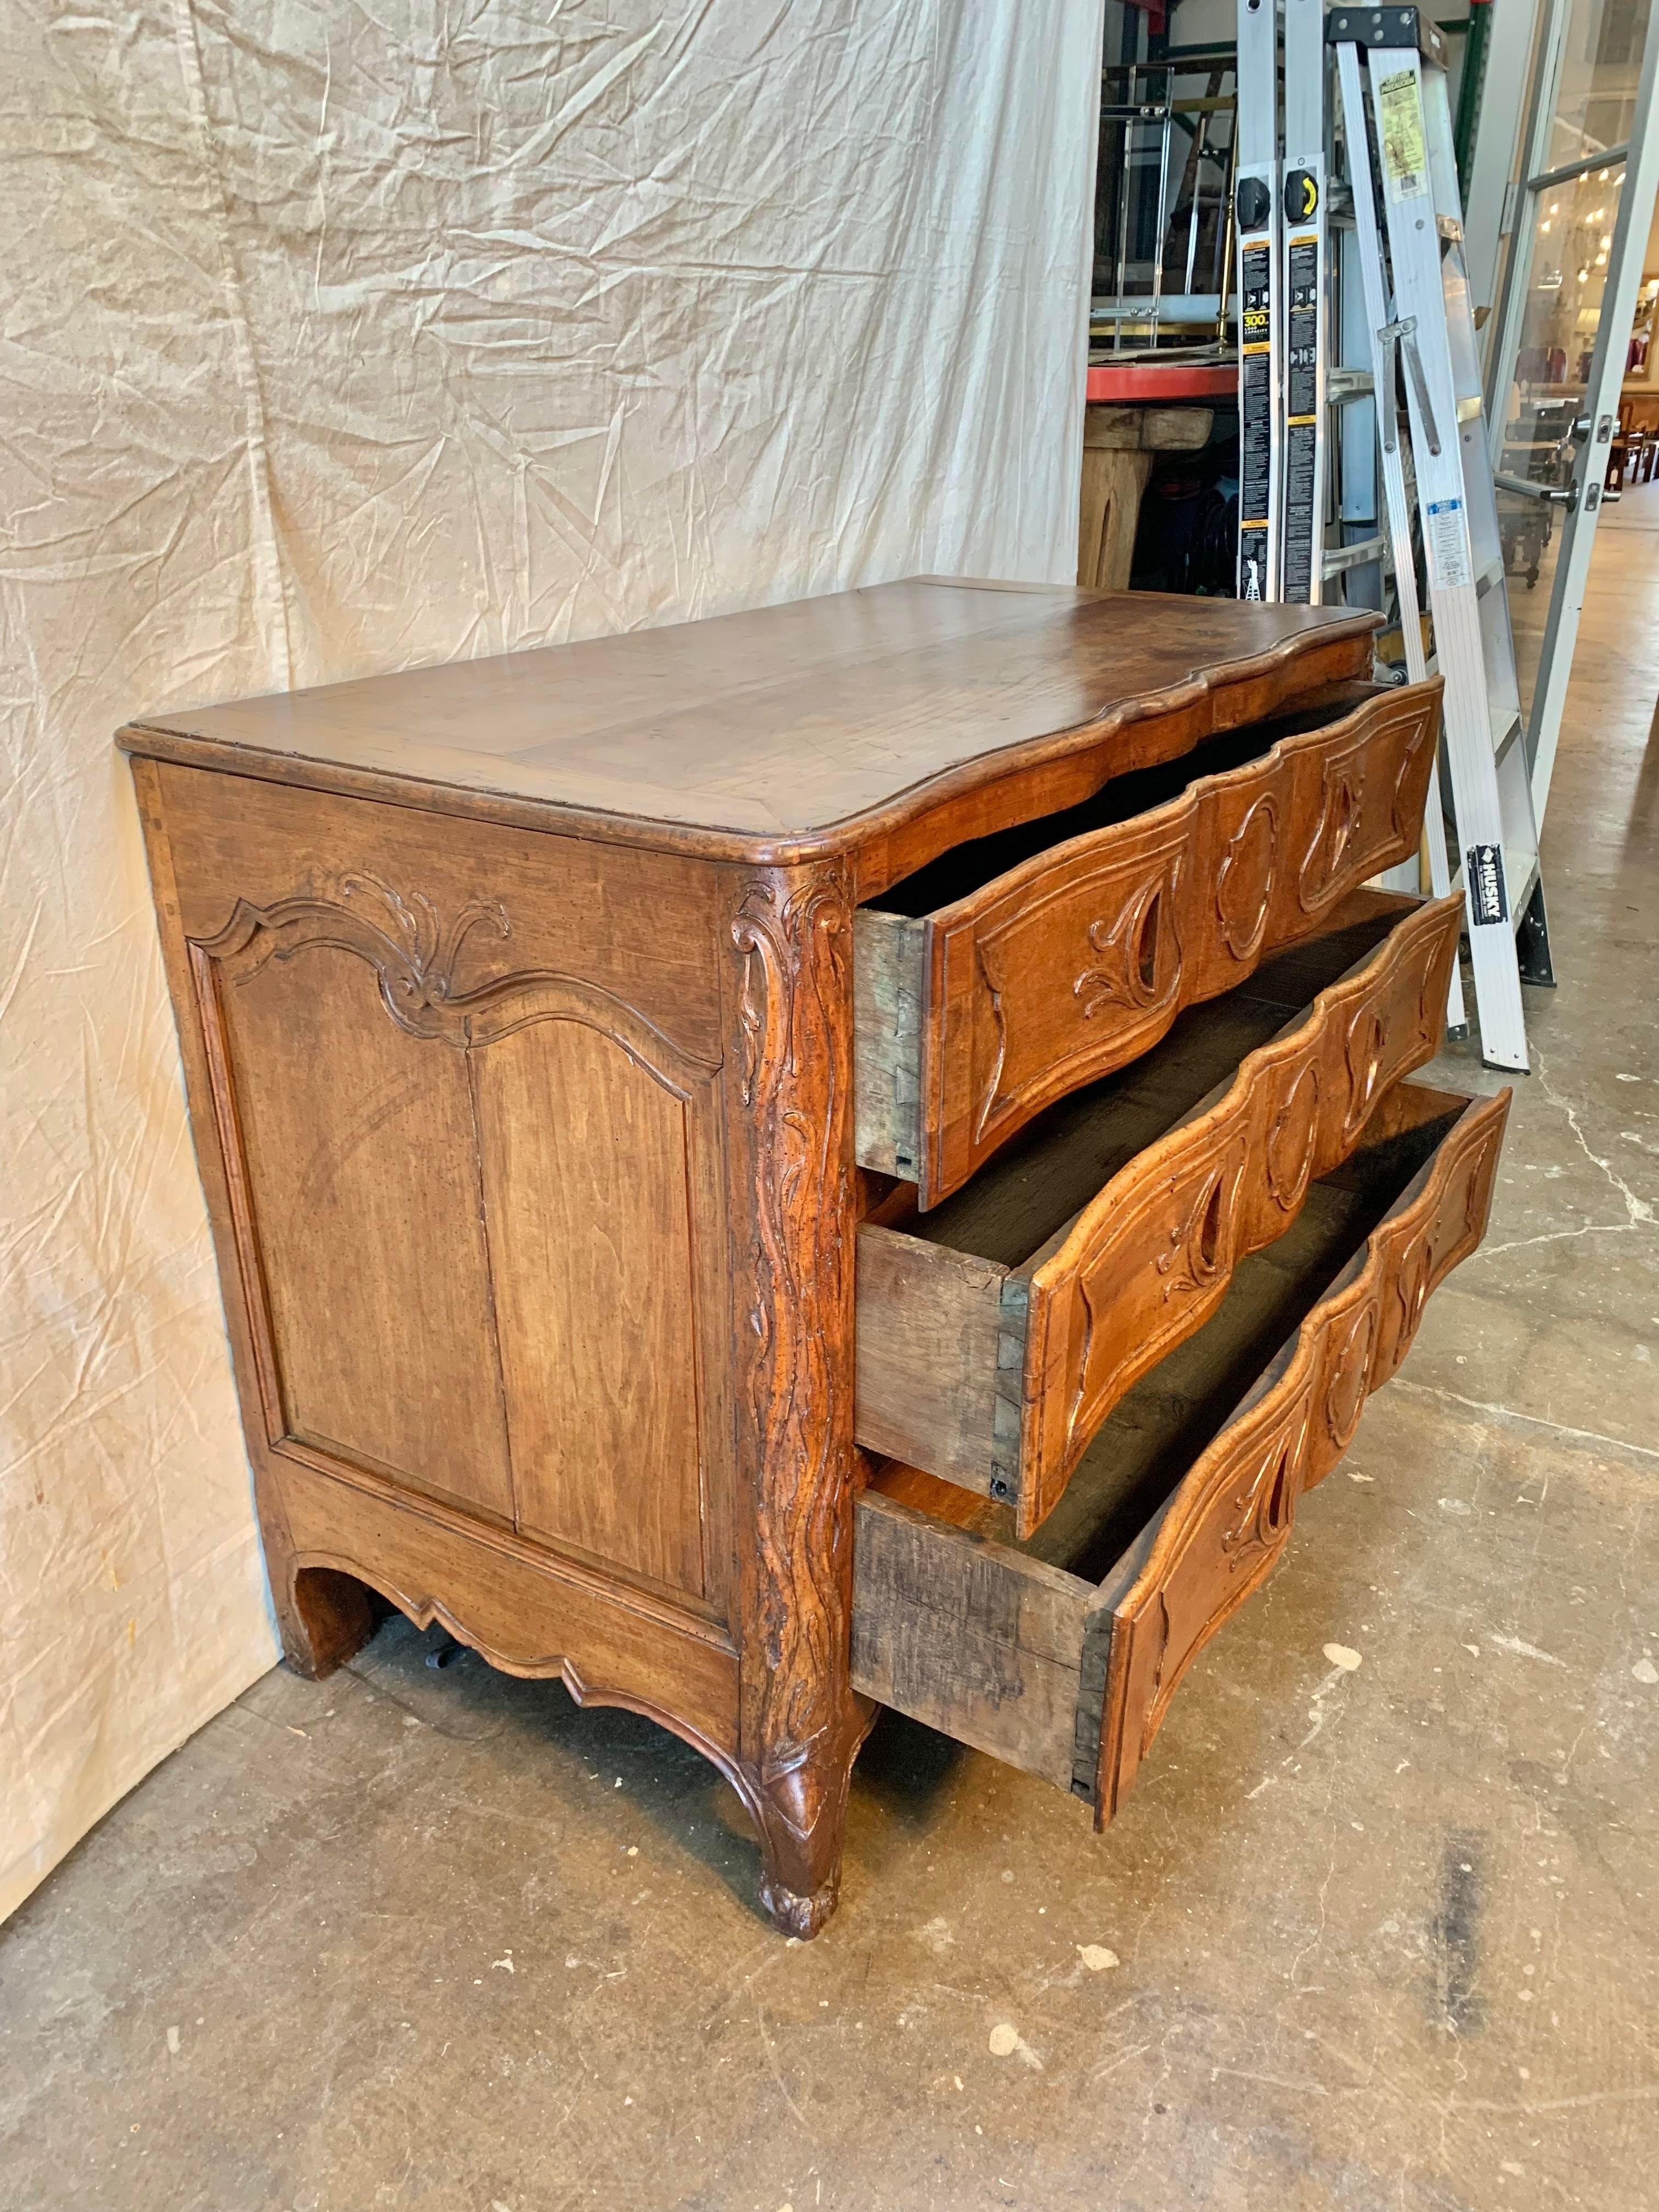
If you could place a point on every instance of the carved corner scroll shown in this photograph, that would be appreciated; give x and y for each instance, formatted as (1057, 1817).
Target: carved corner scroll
(794, 1238)
(417, 959)
(402, 938)
(1228, 1522)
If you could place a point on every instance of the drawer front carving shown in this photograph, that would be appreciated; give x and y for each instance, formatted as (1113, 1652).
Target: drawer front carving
(1079, 961)
(471, 1203)
(1227, 1524)
(1113, 917)
(1150, 1260)
(999, 1379)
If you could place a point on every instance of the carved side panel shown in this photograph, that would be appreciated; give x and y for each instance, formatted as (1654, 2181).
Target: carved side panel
(789, 1107)
(589, 1179)
(349, 1152)
(1151, 1258)
(1227, 1524)
(1080, 960)
(478, 1211)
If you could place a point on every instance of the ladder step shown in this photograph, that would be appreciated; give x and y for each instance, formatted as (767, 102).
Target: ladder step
(1339, 559)
(1342, 384)
(1506, 727)
(1520, 881)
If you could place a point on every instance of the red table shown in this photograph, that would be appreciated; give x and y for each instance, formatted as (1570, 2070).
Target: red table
(1136, 407)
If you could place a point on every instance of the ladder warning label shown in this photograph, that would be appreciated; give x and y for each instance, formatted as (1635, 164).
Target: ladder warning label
(1485, 878)
(1302, 418)
(1255, 401)
(1405, 142)
(1447, 543)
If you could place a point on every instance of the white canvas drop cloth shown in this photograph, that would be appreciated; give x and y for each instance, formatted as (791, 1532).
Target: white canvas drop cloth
(334, 339)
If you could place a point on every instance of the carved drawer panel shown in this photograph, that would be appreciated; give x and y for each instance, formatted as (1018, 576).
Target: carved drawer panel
(1061, 1655)
(998, 1376)
(1017, 984)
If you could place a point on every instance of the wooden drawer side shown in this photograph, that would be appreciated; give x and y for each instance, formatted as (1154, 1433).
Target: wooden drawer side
(969, 1636)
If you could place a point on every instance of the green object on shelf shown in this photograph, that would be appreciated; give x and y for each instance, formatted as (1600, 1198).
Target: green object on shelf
(1468, 93)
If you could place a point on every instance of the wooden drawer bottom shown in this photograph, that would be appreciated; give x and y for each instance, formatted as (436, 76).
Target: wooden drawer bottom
(1060, 1654)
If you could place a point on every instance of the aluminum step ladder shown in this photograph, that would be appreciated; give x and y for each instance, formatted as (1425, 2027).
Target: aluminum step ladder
(1344, 500)
(1396, 119)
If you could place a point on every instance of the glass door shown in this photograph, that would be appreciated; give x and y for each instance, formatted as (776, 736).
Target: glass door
(1590, 165)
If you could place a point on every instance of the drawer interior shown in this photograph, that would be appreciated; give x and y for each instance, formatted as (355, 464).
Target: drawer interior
(1157, 1431)
(1024, 1198)
(966, 868)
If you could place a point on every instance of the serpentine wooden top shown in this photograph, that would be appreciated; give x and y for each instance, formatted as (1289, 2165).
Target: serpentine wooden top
(791, 732)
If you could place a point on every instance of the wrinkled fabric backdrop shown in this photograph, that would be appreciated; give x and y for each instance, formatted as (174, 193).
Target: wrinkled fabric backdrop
(335, 340)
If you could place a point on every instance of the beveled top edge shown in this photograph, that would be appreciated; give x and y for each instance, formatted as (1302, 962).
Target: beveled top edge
(963, 682)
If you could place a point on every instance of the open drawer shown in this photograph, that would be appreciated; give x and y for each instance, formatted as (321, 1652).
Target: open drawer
(1060, 1655)
(1018, 967)
(996, 1333)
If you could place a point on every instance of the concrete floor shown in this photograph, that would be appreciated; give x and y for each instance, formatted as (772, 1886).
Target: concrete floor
(1378, 1938)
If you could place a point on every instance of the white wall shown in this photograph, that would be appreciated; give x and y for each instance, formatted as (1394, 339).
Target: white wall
(341, 338)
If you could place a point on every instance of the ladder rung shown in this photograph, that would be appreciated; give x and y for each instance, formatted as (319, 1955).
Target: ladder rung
(1342, 384)
(1339, 559)
(1505, 731)
(1519, 886)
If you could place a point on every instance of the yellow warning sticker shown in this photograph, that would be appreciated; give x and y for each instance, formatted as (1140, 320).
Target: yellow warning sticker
(1405, 142)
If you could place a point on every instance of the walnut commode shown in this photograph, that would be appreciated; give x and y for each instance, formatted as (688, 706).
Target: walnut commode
(852, 1152)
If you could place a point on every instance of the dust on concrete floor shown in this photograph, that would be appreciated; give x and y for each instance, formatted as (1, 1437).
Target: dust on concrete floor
(1374, 1937)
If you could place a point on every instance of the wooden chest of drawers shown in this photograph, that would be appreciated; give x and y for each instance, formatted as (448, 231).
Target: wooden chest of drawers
(852, 1152)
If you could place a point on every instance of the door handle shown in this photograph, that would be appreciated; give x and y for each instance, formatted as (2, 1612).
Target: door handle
(1549, 492)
